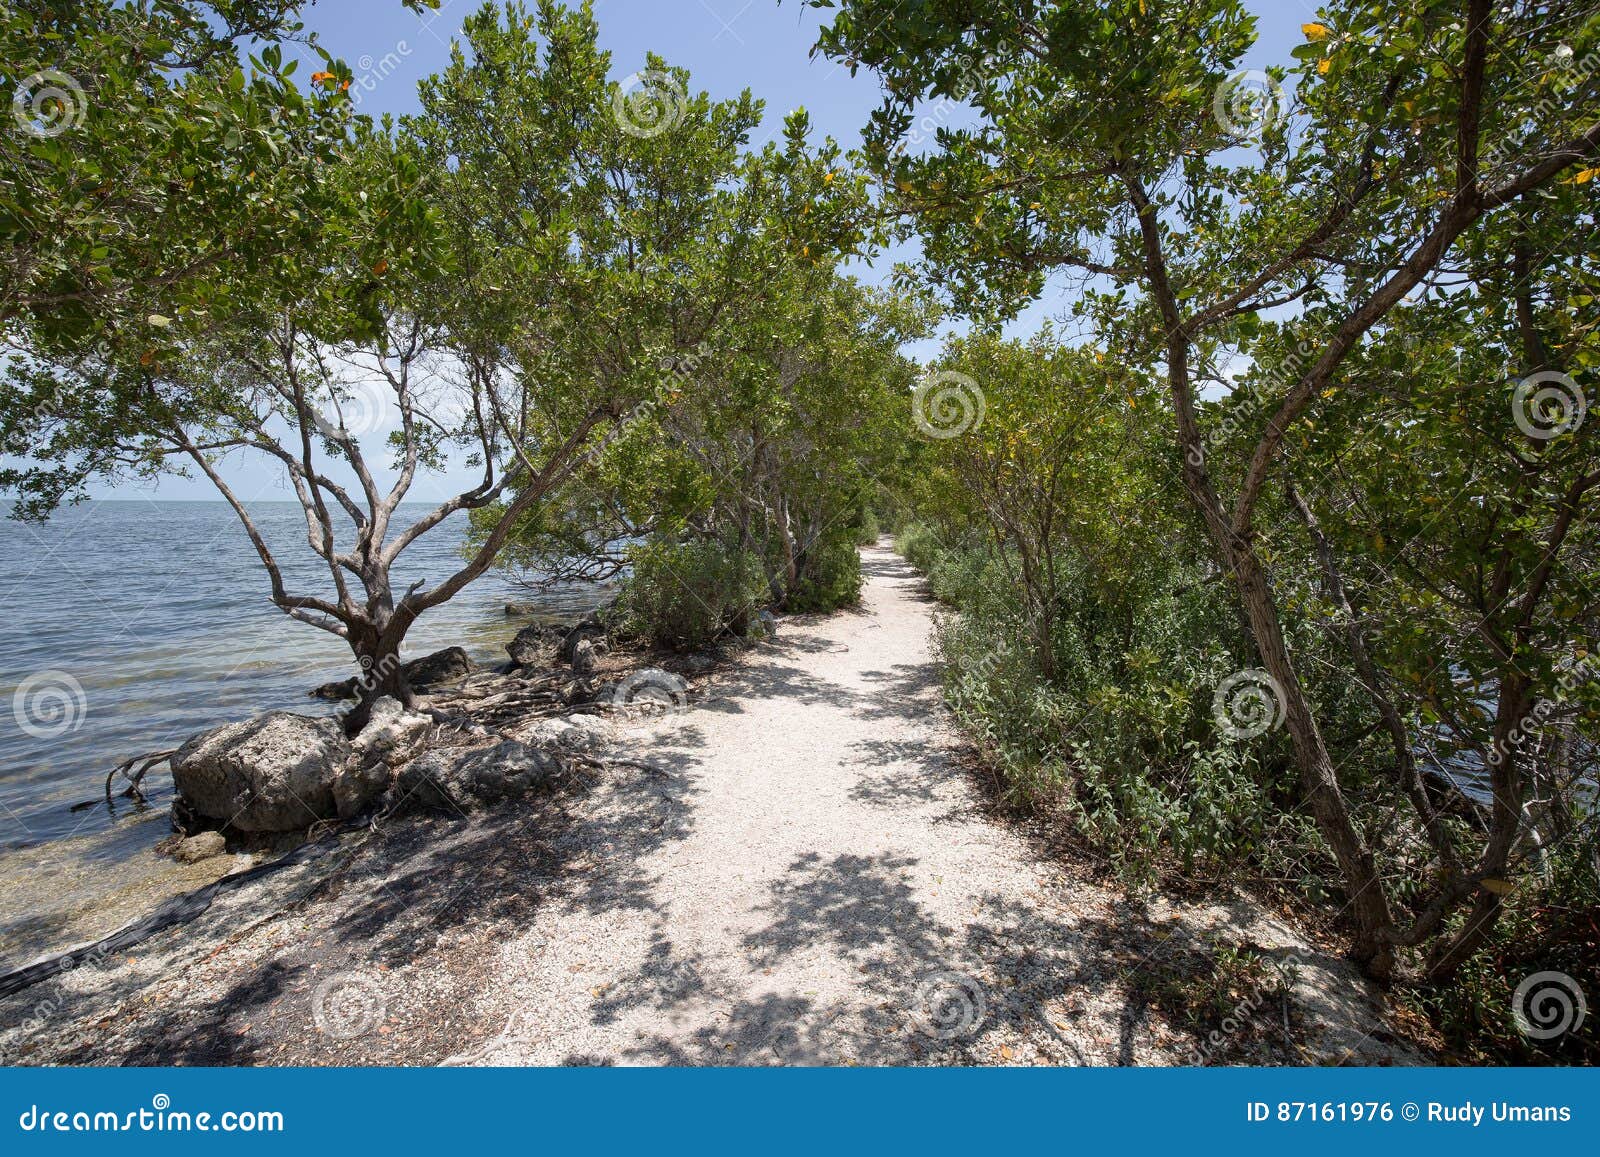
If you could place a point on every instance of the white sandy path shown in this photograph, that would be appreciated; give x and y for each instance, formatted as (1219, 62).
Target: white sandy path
(817, 882)
(812, 859)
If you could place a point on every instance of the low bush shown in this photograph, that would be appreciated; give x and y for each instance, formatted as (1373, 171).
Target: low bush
(1121, 735)
(1555, 931)
(830, 577)
(688, 594)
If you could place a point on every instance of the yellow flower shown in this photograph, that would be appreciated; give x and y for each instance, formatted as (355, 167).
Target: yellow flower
(1315, 31)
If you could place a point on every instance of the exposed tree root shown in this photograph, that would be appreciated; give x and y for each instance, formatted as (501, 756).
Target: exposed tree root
(146, 761)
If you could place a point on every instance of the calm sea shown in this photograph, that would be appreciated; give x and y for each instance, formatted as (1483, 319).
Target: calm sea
(128, 626)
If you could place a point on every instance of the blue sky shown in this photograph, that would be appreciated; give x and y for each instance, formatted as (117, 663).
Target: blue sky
(727, 46)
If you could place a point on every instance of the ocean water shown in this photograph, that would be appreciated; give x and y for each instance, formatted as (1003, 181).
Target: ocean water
(128, 626)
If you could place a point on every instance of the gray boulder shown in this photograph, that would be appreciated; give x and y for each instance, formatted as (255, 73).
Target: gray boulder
(580, 732)
(279, 772)
(457, 779)
(444, 666)
(531, 644)
(199, 847)
(589, 630)
(585, 658)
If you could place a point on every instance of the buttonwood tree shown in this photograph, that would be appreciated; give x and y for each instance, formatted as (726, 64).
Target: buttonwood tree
(497, 276)
(140, 157)
(1118, 142)
(773, 424)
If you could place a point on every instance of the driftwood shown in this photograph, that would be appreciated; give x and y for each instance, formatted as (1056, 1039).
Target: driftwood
(150, 759)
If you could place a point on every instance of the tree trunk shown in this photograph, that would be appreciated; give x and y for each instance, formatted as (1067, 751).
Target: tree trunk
(1406, 772)
(1319, 783)
(791, 573)
(1505, 825)
(382, 673)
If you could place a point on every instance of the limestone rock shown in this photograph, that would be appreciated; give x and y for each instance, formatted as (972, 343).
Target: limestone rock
(274, 773)
(461, 780)
(199, 847)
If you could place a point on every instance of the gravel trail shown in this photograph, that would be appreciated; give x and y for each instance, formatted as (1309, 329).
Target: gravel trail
(812, 880)
(816, 880)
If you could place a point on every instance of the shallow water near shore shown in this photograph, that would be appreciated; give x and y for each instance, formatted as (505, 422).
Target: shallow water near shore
(128, 626)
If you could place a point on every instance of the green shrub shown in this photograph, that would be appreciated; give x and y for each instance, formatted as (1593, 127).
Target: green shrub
(919, 545)
(830, 577)
(688, 594)
(1121, 737)
(1547, 927)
